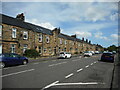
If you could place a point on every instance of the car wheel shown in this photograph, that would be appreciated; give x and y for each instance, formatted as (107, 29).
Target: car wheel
(65, 56)
(2, 65)
(24, 62)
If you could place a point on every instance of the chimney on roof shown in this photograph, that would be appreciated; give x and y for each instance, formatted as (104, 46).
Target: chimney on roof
(83, 39)
(74, 36)
(21, 17)
(57, 30)
(89, 42)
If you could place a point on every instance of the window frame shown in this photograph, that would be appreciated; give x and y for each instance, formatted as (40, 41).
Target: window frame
(25, 33)
(40, 37)
(12, 48)
(25, 48)
(47, 39)
(14, 33)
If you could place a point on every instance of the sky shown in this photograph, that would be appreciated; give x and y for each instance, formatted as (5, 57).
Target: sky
(95, 20)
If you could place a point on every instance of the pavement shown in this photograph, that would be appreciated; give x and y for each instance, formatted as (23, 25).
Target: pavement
(115, 85)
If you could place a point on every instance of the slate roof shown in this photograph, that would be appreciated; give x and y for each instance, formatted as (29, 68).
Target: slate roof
(13, 21)
(16, 22)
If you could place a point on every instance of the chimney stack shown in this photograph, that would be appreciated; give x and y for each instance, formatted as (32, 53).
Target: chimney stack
(83, 39)
(21, 17)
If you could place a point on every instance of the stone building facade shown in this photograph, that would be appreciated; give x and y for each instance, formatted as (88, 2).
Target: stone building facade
(16, 36)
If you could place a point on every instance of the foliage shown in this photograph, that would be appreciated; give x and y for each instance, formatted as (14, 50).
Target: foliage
(32, 53)
(112, 48)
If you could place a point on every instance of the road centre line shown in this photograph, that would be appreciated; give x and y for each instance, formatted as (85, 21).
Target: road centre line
(69, 75)
(17, 73)
(52, 84)
(57, 64)
(79, 70)
(91, 64)
(35, 63)
(87, 66)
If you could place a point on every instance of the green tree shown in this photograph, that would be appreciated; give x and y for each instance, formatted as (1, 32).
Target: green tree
(32, 53)
(112, 48)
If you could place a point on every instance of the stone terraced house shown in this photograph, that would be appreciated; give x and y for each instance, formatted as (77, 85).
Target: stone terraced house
(16, 36)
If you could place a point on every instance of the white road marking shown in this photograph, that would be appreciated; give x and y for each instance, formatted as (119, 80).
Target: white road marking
(86, 57)
(69, 75)
(56, 64)
(91, 64)
(35, 63)
(52, 84)
(45, 61)
(80, 83)
(87, 66)
(95, 62)
(17, 73)
(80, 70)
(21, 65)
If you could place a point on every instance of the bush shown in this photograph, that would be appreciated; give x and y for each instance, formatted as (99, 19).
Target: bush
(76, 53)
(32, 53)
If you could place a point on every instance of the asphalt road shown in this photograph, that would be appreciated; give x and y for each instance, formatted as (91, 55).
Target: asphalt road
(76, 72)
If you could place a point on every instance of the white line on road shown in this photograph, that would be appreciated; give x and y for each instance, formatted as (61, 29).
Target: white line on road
(69, 75)
(52, 84)
(91, 64)
(87, 66)
(80, 83)
(80, 70)
(35, 63)
(17, 73)
(21, 65)
(56, 64)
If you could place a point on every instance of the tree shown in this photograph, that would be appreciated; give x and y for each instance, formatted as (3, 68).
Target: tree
(112, 48)
(31, 53)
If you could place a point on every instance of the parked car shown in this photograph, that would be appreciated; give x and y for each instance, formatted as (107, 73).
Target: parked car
(107, 57)
(88, 53)
(12, 59)
(114, 52)
(97, 52)
(65, 55)
(92, 52)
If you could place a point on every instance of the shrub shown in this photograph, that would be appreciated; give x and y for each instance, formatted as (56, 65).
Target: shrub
(32, 53)
(76, 53)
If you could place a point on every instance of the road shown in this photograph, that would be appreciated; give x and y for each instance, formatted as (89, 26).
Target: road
(76, 72)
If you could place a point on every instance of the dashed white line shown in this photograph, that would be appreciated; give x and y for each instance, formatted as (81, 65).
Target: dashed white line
(35, 63)
(69, 75)
(91, 64)
(56, 64)
(87, 66)
(17, 73)
(80, 70)
(52, 84)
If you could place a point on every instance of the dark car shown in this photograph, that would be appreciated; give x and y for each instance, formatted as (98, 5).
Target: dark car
(107, 57)
(12, 59)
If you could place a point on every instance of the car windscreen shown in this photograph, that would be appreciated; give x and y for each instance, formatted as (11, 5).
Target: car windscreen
(62, 53)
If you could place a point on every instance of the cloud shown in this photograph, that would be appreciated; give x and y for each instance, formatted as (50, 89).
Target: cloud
(83, 34)
(45, 25)
(115, 36)
(99, 35)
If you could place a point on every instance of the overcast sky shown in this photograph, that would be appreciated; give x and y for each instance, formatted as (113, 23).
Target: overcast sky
(96, 21)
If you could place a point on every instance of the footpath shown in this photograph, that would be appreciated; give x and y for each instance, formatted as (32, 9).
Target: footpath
(115, 85)
(40, 59)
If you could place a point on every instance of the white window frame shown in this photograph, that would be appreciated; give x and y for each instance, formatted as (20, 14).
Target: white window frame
(45, 50)
(12, 48)
(40, 37)
(65, 42)
(60, 41)
(14, 30)
(47, 39)
(25, 33)
(25, 46)
(0, 30)
(40, 50)
(0, 48)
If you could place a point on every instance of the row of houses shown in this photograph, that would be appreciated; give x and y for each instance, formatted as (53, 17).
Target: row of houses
(16, 36)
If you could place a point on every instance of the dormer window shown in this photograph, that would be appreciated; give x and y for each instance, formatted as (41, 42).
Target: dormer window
(25, 35)
(47, 39)
(40, 37)
(13, 32)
